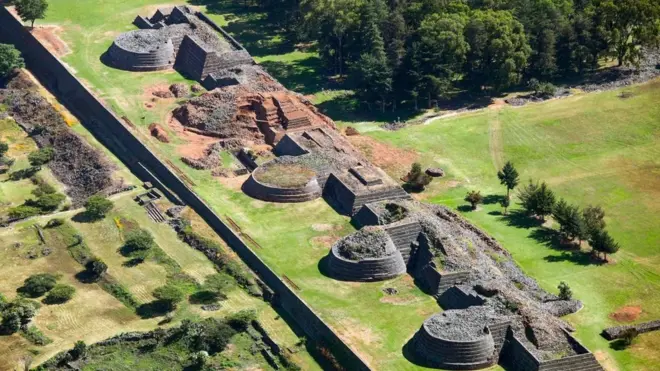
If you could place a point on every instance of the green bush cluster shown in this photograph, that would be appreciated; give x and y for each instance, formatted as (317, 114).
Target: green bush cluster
(60, 294)
(16, 314)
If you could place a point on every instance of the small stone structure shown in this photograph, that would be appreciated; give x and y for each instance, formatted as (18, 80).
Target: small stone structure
(180, 38)
(613, 333)
(367, 255)
(259, 189)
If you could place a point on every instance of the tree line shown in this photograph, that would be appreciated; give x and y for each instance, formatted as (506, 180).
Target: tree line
(412, 50)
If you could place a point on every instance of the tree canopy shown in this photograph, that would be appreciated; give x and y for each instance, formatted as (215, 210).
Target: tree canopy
(10, 59)
(31, 10)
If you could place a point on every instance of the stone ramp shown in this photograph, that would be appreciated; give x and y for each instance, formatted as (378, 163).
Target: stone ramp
(403, 235)
(393, 193)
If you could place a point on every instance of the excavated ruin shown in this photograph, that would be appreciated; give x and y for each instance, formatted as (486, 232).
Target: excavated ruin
(285, 179)
(83, 169)
(366, 255)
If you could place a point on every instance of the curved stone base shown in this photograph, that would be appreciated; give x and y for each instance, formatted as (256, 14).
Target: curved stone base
(365, 270)
(454, 355)
(264, 192)
(161, 58)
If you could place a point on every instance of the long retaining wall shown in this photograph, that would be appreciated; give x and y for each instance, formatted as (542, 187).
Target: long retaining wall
(110, 131)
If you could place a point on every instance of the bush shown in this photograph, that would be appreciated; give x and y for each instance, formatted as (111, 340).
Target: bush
(565, 292)
(207, 297)
(47, 202)
(17, 313)
(55, 222)
(79, 350)
(42, 186)
(96, 267)
(41, 156)
(23, 212)
(4, 147)
(39, 284)
(416, 179)
(139, 240)
(628, 336)
(474, 198)
(169, 294)
(35, 336)
(97, 207)
(60, 294)
(240, 321)
(10, 59)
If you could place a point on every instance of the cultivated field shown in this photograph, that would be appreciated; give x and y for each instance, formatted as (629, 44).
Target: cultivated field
(597, 149)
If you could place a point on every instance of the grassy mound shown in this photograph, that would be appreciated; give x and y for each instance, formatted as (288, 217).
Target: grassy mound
(285, 175)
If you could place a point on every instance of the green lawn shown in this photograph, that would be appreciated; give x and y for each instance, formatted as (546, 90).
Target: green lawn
(592, 149)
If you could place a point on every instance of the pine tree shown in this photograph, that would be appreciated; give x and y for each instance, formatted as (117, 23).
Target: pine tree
(509, 177)
(602, 242)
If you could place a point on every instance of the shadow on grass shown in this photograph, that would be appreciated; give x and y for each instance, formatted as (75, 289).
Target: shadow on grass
(304, 76)
(83, 217)
(518, 219)
(619, 345)
(87, 277)
(465, 208)
(346, 107)
(156, 308)
(493, 199)
(496, 213)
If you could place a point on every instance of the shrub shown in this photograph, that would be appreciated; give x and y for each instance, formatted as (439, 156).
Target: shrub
(35, 336)
(169, 294)
(10, 59)
(139, 240)
(416, 179)
(55, 222)
(47, 202)
(4, 147)
(17, 313)
(97, 207)
(628, 336)
(23, 212)
(207, 297)
(241, 320)
(39, 284)
(96, 267)
(60, 294)
(42, 186)
(218, 282)
(565, 292)
(41, 156)
(79, 350)
(474, 198)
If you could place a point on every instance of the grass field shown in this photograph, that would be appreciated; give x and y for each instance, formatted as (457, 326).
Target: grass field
(591, 149)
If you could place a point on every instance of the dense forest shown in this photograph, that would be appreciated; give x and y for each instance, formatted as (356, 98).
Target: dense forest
(419, 51)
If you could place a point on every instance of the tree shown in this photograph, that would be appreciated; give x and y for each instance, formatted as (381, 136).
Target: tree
(416, 179)
(569, 218)
(629, 26)
(593, 219)
(10, 59)
(139, 240)
(31, 10)
(498, 50)
(79, 350)
(169, 295)
(98, 206)
(508, 177)
(565, 292)
(537, 199)
(60, 294)
(602, 242)
(39, 284)
(41, 156)
(505, 203)
(96, 267)
(4, 147)
(47, 202)
(474, 198)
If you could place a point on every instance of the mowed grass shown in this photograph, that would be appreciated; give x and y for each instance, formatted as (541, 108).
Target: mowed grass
(595, 149)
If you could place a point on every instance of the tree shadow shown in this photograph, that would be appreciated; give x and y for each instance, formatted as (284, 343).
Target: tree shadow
(156, 308)
(304, 76)
(83, 217)
(518, 219)
(495, 213)
(619, 345)
(346, 107)
(493, 199)
(87, 277)
(465, 208)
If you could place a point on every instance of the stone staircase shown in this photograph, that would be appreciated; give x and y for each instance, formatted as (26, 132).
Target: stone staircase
(154, 212)
(393, 193)
(582, 362)
(403, 236)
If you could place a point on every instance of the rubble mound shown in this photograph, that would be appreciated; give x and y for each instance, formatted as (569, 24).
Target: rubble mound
(159, 133)
(84, 170)
(366, 255)
(367, 243)
(461, 325)
(180, 90)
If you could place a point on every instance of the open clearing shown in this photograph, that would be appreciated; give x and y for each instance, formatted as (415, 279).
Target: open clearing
(591, 149)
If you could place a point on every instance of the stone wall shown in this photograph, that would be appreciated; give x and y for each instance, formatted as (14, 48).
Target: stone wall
(616, 332)
(161, 57)
(377, 269)
(111, 132)
(337, 194)
(264, 192)
(403, 234)
(453, 354)
(457, 298)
